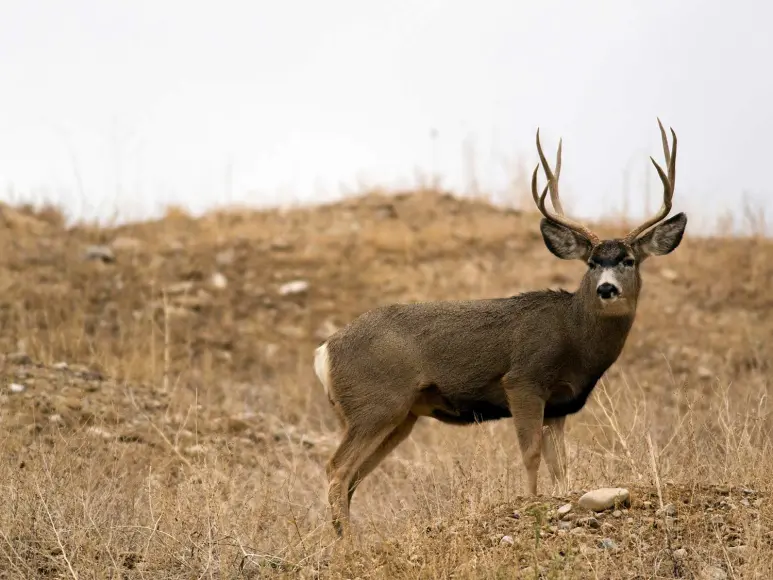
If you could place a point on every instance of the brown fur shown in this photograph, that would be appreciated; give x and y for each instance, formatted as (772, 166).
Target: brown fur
(535, 357)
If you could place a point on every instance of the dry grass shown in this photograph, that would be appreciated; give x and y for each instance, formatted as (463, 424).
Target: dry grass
(187, 436)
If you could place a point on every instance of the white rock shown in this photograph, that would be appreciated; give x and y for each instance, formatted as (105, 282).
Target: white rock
(60, 366)
(669, 275)
(16, 388)
(219, 281)
(713, 573)
(294, 287)
(507, 540)
(604, 498)
(680, 554)
(563, 510)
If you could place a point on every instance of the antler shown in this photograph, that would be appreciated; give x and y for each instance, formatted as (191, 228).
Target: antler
(552, 186)
(668, 185)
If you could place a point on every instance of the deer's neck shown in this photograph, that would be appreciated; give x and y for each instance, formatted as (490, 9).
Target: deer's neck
(601, 338)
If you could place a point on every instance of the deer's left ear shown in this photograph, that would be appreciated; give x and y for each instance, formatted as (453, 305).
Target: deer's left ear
(662, 239)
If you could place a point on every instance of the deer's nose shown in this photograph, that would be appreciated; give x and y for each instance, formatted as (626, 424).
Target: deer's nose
(607, 291)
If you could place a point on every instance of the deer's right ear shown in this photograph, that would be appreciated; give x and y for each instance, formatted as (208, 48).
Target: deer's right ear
(563, 242)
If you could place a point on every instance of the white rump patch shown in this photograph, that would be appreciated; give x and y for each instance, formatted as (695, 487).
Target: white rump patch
(322, 367)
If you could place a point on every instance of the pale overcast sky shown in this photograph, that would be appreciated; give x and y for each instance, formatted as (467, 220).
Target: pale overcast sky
(124, 106)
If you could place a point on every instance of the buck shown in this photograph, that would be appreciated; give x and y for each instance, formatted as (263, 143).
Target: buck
(535, 357)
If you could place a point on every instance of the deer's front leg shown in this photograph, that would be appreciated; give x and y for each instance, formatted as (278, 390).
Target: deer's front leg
(528, 409)
(554, 452)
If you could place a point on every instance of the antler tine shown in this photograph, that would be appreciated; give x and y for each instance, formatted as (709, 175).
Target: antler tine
(668, 180)
(552, 179)
(552, 186)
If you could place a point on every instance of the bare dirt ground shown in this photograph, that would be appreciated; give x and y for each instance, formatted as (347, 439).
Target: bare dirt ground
(159, 415)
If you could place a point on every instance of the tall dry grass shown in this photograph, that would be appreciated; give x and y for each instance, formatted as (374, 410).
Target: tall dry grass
(187, 436)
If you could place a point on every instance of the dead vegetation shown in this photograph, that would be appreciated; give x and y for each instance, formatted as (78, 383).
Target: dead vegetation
(159, 416)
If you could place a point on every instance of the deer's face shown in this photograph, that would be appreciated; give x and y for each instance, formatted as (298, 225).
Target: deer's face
(613, 276)
(612, 281)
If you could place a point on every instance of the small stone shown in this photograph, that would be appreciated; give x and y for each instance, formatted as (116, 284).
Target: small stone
(669, 274)
(226, 257)
(100, 432)
(219, 281)
(713, 573)
(667, 510)
(564, 525)
(102, 253)
(704, 373)
(19, 358)
(647, 505)
(564, 510)
(589, 522)
(294, 288)
(617, 514)
(55, 418)
(745, 502)
(515, 515)
(757, 503)
(628, 520)
(608, 544)
(577, 531)
(16, 388)
(680, 554)
(61, 366)
(604, 498)
(281, 245)
(506, 541)
(125, 243)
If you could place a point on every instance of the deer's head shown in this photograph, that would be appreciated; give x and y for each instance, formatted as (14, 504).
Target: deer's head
(612, 282)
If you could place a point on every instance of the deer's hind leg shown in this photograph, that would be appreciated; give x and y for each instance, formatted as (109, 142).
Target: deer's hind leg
(397, 436)
(363, 438)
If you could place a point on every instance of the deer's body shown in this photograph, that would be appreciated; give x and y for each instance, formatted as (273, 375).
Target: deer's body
(535, 357)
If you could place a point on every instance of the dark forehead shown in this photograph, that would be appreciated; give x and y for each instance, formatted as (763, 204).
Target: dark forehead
(610, 252)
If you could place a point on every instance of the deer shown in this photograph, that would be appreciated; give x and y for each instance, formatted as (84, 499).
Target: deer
(534, 357)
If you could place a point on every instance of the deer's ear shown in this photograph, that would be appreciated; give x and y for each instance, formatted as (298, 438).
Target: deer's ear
(563, 242)
(663, 238)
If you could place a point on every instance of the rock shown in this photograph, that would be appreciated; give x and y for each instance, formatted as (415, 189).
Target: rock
(294, 288)
(680, 554)
(125, 243)
(608, 544)
(713, 573)
(506, 541)
(564, 510)
(667, 510)
(564, 525)
(61, 366)
(647, 505)
(16, 388)
(219, 281)
(280, 245)
(745, 502)
(704, 373)
(102, 253)
(55, 418)
(179, 287)
(100, 432)
(576, 531)
(669, 274)
(589, 522)
(226, 257)
(617, 514)
(19, 358)
(757, 503)
(604, 498)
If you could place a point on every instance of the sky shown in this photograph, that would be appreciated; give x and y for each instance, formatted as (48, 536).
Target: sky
(117, 109)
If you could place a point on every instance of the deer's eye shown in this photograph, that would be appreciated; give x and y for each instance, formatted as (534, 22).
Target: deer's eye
(592, 265)
(628, 262)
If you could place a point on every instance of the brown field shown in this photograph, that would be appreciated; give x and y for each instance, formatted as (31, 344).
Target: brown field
(156, 422)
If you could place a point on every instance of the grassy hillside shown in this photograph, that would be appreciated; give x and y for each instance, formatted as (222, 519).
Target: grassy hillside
(159, 415)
